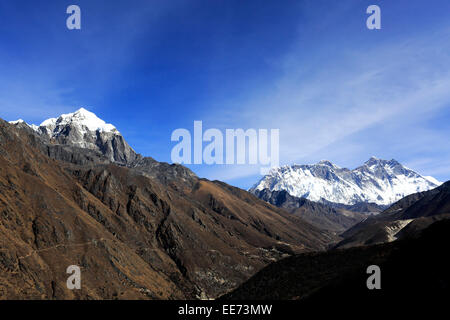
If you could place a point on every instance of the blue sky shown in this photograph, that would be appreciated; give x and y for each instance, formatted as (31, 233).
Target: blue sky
(312, 69)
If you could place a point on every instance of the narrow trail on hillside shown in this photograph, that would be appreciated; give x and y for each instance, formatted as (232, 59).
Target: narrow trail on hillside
(36, 251)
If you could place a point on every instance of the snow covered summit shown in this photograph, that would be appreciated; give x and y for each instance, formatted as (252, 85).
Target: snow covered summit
(82, 118)
(84, 129)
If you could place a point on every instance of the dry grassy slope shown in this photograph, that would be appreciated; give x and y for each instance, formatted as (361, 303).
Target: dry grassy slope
(132, 236)
(258, 222)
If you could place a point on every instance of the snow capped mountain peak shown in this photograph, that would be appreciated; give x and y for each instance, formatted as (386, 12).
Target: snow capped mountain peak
(84, 129)
(84, 111)
(82, 118)
(22, 122)
(48, 122)
(17, 121)
(373, 161)
(377, 180)
(327, 163)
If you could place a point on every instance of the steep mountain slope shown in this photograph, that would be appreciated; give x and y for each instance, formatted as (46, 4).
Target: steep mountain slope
(378, 181)
(320, 215)
(43, 230)
(144, 230)
(412, 271)
(407, 217)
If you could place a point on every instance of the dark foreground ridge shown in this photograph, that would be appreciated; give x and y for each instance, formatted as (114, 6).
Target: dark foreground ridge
(416, 269)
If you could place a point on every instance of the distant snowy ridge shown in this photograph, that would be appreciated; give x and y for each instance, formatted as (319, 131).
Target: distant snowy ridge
(378, 181)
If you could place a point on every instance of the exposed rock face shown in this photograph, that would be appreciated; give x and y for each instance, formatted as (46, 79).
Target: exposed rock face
(144, 230)
(164, 172)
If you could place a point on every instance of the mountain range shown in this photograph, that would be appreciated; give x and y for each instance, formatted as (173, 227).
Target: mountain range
(377, 181)
(335, 199)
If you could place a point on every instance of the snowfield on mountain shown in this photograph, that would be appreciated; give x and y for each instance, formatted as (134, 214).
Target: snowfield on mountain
(377, 181)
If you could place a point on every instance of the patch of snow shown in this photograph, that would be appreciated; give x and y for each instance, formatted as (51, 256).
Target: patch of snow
(32, 126)
(433, 180)
(394, 228)
(17, 121)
